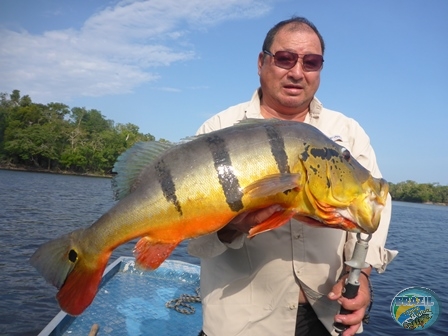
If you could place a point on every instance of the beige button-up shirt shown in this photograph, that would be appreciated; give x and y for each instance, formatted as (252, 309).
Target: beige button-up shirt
(251, 286)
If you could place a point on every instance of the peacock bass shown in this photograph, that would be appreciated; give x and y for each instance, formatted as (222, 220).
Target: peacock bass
(168, 193)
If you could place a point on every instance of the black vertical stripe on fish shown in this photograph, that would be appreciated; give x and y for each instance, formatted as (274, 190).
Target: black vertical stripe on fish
(278, 149)
(223, 166)
(168, 187)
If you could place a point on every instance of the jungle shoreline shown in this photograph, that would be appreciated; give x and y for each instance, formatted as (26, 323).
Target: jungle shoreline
(30, 169)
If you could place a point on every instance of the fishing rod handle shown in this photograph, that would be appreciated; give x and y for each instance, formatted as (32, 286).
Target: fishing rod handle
(350, 291)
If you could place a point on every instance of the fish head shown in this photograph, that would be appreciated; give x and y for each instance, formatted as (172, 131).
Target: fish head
(339, 191)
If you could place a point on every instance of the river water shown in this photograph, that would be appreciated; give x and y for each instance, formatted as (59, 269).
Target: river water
(36, 207)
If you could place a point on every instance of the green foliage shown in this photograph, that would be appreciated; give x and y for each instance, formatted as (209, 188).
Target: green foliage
(411, 191)
(55, 137)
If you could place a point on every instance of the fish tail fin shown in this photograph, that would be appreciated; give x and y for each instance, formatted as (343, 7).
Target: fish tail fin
(150, 254)
(81, 286)
(277, 219)
(77, 276)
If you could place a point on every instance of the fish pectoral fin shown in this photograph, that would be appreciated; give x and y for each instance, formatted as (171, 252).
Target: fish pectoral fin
(150, 255)
(272, 185)
(277, 219)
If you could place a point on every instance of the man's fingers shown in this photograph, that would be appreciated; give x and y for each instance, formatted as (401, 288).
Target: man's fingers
(351, 331)
(336, 291)
(247, 220)
(352, 321)
(260, 216)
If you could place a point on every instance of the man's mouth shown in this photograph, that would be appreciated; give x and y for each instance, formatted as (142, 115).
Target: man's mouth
(293, 88)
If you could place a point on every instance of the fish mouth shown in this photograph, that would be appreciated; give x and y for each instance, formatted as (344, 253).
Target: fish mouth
(342, 219)
(367, 208)
(349, 223)
(361, 215)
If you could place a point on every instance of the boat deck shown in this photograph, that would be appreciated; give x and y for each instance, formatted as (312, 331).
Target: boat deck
(133, 302)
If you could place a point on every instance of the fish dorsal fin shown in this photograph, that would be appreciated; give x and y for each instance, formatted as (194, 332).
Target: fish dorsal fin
(132, 162)
(256, 121)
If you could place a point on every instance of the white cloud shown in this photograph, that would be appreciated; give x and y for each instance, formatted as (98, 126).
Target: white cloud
(116, 49)
(167, 89)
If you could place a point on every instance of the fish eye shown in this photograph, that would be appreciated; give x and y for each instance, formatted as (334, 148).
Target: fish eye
(72, 256)
(345, 153)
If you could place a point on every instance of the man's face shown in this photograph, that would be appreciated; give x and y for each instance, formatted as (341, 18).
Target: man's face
(289, 91)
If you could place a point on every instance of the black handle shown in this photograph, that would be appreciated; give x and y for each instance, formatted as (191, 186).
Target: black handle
(350, 291)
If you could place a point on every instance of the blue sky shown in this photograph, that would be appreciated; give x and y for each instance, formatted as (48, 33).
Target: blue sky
(168, 65)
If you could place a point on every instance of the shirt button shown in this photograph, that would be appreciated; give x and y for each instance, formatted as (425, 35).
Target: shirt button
(292, 307)
(297, 236)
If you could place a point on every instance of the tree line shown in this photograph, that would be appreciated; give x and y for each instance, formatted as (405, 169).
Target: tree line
(410, 191)
(56, 138)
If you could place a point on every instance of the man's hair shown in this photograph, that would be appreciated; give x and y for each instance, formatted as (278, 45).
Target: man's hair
(296, 23)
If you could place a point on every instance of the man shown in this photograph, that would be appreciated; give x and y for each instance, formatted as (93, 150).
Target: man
(285, 281)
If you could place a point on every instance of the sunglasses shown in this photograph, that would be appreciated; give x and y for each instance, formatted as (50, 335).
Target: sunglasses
(287, 60)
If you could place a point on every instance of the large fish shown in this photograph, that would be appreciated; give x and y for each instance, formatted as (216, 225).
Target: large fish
(169, 193)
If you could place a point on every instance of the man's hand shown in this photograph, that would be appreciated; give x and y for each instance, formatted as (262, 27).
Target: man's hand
(246, 221)
(358, 305)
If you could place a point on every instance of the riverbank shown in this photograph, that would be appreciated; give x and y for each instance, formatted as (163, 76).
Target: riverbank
(24, 168)
(432, 203)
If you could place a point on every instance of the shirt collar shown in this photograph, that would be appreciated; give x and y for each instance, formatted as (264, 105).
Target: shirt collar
(253, 109)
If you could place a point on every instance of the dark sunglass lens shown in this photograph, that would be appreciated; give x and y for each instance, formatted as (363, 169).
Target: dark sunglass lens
(312, 62)
(285, 59)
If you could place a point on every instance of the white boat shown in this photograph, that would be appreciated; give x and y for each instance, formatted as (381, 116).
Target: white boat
(135, 302)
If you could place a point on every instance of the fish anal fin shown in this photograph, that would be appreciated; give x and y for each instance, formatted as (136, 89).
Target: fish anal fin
(277, 219)
(150, 255)
(272, 185)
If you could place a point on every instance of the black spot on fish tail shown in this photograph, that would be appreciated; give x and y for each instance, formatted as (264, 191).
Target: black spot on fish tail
(167, 184)
(223, 166)
(72, 256)
(278, 149)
